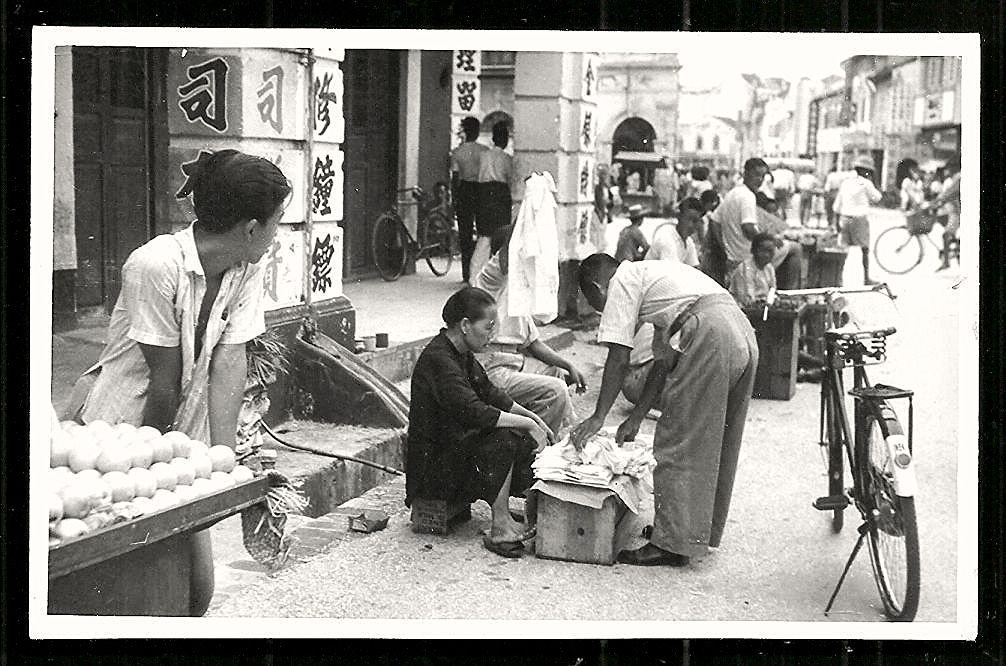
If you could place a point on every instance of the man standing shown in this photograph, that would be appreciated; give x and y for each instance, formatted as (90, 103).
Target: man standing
(831, 184)
(852, 204)
(673, 240)
(785, 184)
(737, 216)
(807, 186)
(705, 350)
(465, 162)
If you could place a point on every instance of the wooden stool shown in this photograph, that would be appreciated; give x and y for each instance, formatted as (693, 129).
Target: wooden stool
(438, 516)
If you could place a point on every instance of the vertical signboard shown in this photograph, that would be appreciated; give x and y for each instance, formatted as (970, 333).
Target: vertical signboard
(466, 92)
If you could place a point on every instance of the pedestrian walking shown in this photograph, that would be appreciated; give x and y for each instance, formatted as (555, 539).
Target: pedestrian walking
(495, 202)
(466, 160)
(852, 205)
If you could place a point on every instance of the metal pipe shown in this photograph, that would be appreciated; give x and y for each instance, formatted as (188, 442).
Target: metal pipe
(328, 454)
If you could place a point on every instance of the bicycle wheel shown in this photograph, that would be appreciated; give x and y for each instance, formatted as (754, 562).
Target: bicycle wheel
(893, 533)
(390, 246)
(436, 243)
(897, 250)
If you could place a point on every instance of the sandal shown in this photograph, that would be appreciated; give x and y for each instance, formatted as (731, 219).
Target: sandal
(510, 549)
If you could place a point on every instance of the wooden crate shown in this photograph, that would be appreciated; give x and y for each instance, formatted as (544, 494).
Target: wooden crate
(825, 268)
(577, 533)
(778, 346)
(438, 516)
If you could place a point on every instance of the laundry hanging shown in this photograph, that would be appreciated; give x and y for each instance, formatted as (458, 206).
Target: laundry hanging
(533, 277)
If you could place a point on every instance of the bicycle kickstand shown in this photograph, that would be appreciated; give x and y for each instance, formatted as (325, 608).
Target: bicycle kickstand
(863, 530)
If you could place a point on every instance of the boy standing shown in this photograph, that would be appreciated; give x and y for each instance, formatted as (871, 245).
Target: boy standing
(465, 162)
(632, 245)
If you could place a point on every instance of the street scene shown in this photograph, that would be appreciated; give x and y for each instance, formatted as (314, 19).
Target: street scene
(424, 334)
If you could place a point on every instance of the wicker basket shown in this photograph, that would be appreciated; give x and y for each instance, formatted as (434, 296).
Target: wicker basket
(920, 221)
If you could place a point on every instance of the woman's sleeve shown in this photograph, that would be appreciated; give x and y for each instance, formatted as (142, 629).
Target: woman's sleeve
(149, 287)
(455, 395)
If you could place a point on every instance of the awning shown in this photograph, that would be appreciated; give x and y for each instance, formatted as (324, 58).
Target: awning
(652, 159)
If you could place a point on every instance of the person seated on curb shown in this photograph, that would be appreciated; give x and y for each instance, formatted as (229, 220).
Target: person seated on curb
(672, 241)
(467, 439)
(546, 393)
(632, 245)
(754, 279)
(704, 369)
(788, 258)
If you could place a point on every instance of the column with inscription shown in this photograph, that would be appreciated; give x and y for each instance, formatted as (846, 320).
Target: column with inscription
(555, 130)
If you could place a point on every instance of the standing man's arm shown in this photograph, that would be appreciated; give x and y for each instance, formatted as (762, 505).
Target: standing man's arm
(615, 368)
(228, 370)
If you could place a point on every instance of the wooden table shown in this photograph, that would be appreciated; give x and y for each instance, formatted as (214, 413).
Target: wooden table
(143, 566)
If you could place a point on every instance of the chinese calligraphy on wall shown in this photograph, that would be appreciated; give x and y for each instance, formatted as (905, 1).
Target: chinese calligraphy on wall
(203, 98)
(270, 98)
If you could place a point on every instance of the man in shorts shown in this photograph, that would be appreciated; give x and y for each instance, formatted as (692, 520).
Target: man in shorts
(852, 205)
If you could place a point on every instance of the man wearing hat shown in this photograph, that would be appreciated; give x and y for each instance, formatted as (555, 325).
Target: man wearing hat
(852, 204)
(632, 245)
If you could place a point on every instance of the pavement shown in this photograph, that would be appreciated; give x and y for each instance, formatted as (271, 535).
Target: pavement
(779, 559)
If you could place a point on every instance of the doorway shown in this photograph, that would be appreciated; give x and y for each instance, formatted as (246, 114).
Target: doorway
(371, 150)
(111, 158)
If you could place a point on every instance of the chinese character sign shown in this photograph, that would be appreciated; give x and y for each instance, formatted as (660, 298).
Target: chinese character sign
(466, 95)
(203, 96)
(585, 190)
(325, 272)
(327, 102)
(587, 130)
(283, 269)
(270, 98)
(326, 183)
(589, 77)
(467, 63)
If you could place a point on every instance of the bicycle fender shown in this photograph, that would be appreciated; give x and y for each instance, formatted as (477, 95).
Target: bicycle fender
(905, 484)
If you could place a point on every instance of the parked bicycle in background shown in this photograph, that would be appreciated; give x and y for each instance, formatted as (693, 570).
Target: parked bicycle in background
(393, 244)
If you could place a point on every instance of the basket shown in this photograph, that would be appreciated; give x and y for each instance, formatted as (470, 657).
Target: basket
(920, 222)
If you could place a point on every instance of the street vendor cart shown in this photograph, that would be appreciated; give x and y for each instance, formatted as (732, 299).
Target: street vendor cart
(140, 567)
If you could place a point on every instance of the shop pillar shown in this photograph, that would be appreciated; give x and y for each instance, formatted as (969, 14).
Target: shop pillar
(555, 128)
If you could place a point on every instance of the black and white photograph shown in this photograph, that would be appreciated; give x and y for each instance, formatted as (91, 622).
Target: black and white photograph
(496, 334)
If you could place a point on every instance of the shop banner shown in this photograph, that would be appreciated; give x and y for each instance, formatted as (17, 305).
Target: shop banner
(273, 94)
(327, 95)
(283, 269)
(326, 183)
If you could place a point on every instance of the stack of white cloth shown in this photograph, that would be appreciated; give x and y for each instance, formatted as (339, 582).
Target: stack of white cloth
(596, 465)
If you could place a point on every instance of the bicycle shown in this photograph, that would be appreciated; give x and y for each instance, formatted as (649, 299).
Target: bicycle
(878, 450)
(895, 250)
(393, 244)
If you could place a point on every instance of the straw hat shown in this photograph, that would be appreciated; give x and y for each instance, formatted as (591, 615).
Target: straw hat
(636, 211)
(864, 162)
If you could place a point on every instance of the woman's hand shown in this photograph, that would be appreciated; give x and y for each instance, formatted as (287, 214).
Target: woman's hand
(545, 430)
(587, 429)
(628, 430)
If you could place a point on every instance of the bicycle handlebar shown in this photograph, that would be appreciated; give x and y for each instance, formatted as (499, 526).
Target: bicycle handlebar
(825, 291)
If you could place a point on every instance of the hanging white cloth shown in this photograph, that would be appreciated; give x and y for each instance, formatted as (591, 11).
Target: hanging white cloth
(533, 279)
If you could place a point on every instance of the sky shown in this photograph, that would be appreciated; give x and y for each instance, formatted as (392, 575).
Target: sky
(700, 68)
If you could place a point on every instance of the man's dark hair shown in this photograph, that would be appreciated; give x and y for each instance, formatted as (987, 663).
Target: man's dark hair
(693, 204)
(594, 266)
(754, 163)
(501, 134)
(229, 187)
(708, 197)
(761, 237)
(471, 126)
(700, 172)
(470, 302)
